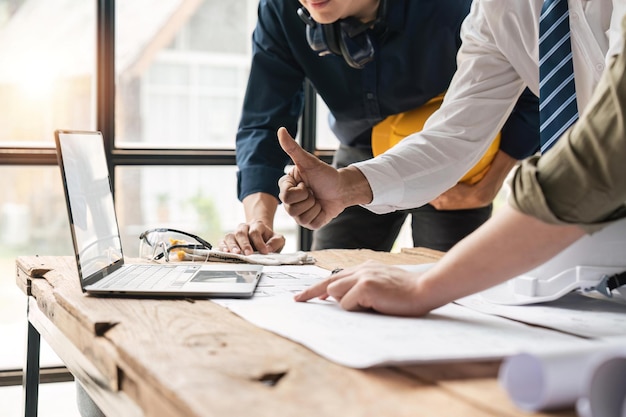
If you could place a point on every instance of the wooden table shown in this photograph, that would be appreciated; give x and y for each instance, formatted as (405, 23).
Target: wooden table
(184, 357)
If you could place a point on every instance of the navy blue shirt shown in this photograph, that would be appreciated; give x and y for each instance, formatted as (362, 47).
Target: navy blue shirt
(415, 58)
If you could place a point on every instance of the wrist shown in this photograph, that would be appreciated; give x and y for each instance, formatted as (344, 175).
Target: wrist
(260, 207)
(431, 290)
(354, 187)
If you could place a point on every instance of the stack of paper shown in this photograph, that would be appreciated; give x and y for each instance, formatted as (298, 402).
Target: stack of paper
(581, 357)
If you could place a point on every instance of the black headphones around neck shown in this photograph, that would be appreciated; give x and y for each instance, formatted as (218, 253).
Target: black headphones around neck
(347, 37)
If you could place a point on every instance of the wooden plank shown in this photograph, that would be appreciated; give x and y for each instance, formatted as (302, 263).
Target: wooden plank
(29, 267)
(211, 352)
(98, 350)
(475, 382)
(22, 279)
(111, 401)
(37, 266)
(92, 312)
(424, 253)
(331, 259)
(52, 280)
(207, 346)
(195, 358)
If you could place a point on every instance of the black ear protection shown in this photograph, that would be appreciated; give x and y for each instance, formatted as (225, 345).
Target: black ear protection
(346, 38)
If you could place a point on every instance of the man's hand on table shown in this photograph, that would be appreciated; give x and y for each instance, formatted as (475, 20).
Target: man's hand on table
(371, 286)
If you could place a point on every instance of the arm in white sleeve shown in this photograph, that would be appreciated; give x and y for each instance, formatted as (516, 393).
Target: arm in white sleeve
(481, 96)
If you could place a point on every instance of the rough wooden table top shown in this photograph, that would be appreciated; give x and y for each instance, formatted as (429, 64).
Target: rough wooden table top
(192, 357)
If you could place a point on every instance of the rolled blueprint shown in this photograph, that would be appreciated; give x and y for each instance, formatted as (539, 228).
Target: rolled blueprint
(591, 378)
(604, 394)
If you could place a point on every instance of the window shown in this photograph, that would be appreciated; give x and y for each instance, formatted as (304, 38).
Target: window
(179, 78)
(198, 199)
(46, 74)
(46, 82)
(181, 72)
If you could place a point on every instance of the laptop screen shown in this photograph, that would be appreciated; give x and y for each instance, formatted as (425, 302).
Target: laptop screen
(85, 173)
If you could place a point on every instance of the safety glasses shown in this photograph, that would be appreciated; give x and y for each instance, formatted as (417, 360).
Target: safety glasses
(171, 244)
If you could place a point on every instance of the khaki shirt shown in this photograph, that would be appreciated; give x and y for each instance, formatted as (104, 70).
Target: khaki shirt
(582, 179)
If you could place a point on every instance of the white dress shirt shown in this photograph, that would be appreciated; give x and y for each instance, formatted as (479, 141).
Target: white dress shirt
(497, 60)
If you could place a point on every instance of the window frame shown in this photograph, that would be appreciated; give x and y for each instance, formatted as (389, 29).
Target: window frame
(105, 122)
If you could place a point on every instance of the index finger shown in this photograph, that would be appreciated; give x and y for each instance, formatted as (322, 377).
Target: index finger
(317, 290)
(320, 289)
(293, 193)
(258, 243)
(242, 239)
(287, 181)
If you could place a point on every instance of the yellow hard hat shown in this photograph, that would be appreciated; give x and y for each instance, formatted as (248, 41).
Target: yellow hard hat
(394, 128)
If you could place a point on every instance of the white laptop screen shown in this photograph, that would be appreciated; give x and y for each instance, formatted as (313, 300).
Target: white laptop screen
(90, 201)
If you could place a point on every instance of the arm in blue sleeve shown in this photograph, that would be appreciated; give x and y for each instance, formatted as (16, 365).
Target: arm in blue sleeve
(520, 134)
(274, 98)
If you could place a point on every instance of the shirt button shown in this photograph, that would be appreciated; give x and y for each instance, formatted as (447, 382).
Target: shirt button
(599, 67)
(574, 15)
(370, 96)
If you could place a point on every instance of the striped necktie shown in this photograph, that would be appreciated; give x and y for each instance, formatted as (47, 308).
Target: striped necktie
(557, 93)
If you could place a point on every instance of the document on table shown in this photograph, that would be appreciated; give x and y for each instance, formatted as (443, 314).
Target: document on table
(363, 339)
(574, 313)
(281, 280)
(360, 340)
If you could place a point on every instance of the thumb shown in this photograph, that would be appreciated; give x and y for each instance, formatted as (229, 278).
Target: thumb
(299, 156)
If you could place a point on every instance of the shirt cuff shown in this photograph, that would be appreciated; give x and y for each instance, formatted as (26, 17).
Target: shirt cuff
(386, 198)
(258, 180)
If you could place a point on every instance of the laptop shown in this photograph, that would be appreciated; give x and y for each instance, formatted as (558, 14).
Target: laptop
(97, 242)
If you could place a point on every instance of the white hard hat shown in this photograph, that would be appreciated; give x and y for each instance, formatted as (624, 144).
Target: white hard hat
(594, 264)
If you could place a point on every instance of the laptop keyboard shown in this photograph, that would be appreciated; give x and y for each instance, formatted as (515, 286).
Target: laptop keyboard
(146, 277)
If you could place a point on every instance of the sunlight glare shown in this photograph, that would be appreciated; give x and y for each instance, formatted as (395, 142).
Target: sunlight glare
(35, 78)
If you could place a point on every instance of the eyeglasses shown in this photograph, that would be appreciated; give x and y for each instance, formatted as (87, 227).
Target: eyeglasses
(164, 243)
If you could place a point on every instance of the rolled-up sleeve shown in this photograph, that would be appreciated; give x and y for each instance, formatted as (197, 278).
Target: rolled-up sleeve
(582, 179)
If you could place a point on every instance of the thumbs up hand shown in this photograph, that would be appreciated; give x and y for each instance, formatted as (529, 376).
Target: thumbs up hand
(314, 193)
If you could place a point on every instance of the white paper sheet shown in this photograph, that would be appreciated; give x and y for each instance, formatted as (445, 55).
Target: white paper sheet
(360, 340)
(574, 313)
(543, 368)
(281, 280)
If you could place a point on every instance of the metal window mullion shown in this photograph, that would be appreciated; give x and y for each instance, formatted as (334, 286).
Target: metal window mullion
(105, 78)
(308, 143)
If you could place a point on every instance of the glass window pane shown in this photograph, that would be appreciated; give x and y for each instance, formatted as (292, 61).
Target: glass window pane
(182, 70)
(199, 200)
(33, 221)
(325, 138)
(47, 50)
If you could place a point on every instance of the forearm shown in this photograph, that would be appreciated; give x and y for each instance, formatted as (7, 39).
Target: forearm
(507, 245)
(495, 176)
(428, 163)
(260, 207)
(480, 194)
